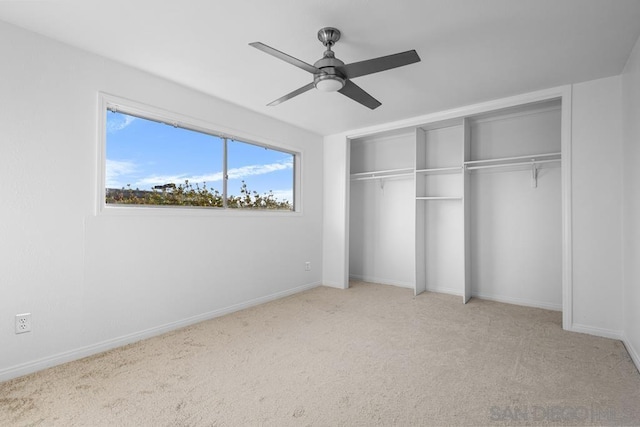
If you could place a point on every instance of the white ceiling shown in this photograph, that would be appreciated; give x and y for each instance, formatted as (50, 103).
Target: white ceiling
(471, 50)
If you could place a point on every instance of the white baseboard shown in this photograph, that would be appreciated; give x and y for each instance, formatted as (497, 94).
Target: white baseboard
(382, 281)
(599, 332)
(616, 335)
(332, 284)
(79, 353)
(519, 301)
(449, 291)
(633, 352)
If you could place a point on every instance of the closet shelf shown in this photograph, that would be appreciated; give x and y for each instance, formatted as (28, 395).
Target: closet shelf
(382, 174)
(428, 171)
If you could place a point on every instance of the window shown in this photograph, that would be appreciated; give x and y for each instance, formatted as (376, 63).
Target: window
(153, 161)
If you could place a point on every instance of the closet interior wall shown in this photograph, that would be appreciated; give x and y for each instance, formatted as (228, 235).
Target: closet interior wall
(515, 212)
(381, 212)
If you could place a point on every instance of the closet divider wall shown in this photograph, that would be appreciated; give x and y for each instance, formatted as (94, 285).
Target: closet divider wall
(469, 206)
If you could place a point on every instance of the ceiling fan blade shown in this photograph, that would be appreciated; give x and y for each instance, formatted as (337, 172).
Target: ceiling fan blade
(296, 92)
(358, 94)
(287, 58)
(382, 63)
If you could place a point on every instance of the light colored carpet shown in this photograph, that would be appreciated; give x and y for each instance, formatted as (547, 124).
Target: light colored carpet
(370, 355)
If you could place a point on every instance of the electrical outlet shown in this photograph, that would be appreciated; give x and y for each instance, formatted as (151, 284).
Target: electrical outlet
(307, 266)
(23, 323)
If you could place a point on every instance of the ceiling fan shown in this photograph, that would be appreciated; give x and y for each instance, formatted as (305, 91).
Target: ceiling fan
(331, 74)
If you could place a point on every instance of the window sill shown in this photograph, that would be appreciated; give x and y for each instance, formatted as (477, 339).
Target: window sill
(137, 210)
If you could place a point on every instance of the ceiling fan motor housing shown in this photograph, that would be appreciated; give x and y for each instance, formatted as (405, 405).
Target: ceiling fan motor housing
(331, 79)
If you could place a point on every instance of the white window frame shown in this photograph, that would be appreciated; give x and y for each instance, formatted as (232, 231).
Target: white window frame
(107, 103)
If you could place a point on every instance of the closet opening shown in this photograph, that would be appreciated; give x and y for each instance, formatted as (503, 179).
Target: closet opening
(470, 206)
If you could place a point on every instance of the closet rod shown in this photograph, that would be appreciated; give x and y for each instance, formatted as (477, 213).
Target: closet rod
(382, 172)
(439, 170)
(369, 178)
(504, 165)
(504, 159)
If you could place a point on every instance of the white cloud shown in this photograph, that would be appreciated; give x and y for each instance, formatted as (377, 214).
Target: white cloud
(241, 172)
(234, 173)
(118, 122)
(115, 170)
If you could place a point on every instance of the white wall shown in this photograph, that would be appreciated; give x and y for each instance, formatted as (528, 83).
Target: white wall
(597, 207)
(92, 282)
(631, 193)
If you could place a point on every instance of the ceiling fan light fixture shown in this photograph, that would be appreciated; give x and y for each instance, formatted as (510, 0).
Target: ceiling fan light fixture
(329, 83)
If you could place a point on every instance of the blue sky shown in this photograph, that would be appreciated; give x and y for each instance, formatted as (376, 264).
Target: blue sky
(144, 153)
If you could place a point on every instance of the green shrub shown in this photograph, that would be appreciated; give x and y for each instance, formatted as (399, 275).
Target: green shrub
(189, 195)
